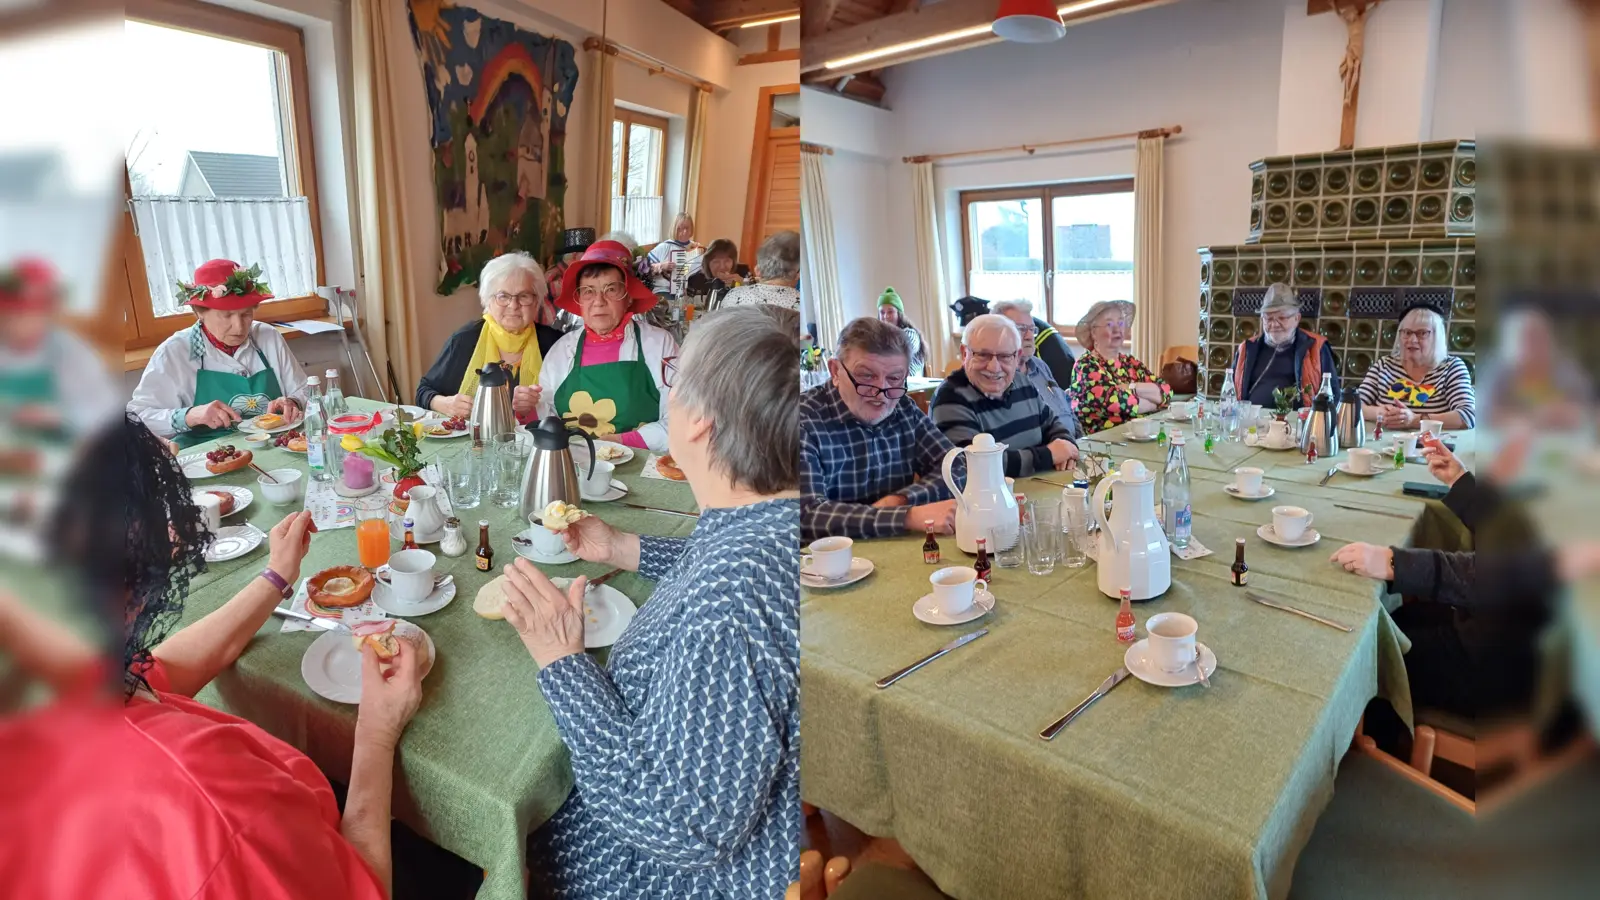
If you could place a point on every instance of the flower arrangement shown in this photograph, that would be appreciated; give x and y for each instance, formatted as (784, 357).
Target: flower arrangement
(1283, 400)
(242, 283)
(398, 447)
(811, 358)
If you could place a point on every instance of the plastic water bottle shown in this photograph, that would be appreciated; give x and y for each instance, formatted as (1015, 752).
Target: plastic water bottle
(1228, 408)
(333, 402)
(316, 428)
(1176, 514)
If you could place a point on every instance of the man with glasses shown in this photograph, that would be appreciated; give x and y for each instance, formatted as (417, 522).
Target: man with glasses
(1283, 355)
(1039, 371)
(986, 396)
(870, 465)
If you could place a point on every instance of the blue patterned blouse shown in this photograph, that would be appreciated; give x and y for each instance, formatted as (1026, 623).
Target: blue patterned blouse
(686, 747)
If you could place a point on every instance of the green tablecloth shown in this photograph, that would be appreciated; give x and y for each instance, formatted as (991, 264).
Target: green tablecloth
(482, 764)
(1154, 791)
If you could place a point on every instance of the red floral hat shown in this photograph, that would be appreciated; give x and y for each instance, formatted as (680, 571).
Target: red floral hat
(605, 253)
(224, 284)
(29, 286)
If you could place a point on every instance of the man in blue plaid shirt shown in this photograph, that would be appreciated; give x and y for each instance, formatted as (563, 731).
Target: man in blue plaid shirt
(869, 463)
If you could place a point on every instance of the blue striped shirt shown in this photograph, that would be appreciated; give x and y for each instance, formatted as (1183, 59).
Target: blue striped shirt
(1018, 418)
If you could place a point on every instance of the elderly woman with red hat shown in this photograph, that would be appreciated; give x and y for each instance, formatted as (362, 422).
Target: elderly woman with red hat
(203, 380)
(50, 380)
(606, 377)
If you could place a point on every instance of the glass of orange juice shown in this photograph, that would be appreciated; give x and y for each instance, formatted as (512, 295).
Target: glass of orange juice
(372, 531)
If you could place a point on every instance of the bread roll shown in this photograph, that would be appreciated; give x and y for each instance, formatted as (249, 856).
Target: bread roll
(490, 596)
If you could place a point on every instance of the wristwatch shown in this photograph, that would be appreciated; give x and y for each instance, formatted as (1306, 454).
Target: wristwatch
(278, 582)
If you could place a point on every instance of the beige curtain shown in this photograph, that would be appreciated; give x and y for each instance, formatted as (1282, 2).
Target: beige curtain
(699, 105)
(928, 311)
(603, 71)
(381, 46)
(1149, 339)
(819, 257)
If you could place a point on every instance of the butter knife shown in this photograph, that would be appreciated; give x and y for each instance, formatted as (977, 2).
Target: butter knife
(670, 512)
(1114, 679)
(1326, 478)
(318, 621)
(601, 580)
(1267, 601)
(1376, 512)
(958, 642)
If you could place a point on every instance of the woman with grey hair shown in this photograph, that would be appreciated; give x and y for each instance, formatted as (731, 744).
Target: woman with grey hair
(510, 289)
(685, 743)
(778, 266)
(1421, 380)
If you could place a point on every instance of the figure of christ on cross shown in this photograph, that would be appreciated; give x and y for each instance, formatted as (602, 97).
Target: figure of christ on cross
(1354, 13)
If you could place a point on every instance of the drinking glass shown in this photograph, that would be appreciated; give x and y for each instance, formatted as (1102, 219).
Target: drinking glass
(464, 480)
(1008, 556)
(372, 531)
(511, 453)
(1043, 543)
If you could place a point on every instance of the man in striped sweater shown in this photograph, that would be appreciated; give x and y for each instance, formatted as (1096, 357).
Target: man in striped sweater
(985, 395)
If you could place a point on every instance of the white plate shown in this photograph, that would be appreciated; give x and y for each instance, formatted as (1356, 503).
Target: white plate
(415, 412)
(606, 614)
(1266, 533)
(249, 426)
(928, 611)
(434, 420)
(580, 452)
(194, 466)
(234, 541)
(527, 552)
(331, 666)
(383, 597)
(1267, 490)
(860, 567)
(1345, 468)
(1137, 659)
(617, 491)
(242, 497)
(1141, 440)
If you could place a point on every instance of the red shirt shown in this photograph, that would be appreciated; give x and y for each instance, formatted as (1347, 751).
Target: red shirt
(166, 800)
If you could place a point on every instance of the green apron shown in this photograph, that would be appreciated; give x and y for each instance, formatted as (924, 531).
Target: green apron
(248, 396)
(627, 383)
(35, 387)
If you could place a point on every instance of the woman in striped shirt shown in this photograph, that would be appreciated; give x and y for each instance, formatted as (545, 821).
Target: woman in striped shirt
(1420, 381)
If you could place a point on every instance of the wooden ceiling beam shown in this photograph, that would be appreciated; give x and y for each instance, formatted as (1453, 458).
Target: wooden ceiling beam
(718, 14)
(815, 16)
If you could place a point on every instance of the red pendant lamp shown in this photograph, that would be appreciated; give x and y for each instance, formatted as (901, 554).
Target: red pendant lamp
(1028, 21)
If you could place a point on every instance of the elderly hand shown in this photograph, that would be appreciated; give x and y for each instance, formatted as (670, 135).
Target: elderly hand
(215, 414)
(456, 407)
(524, 399)
(942, 513)
(1063, 453)
(1442, 464)
(285, 407)
(549, 622)
(891, 501)
(1366, 559)
(1396, 416)
(592, 540)
(289, 541)
(388, 700)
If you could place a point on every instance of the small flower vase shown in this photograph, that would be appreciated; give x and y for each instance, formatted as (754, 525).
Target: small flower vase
(403, 486)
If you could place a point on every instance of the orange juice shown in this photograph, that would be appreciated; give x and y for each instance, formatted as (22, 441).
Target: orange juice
(372, 541)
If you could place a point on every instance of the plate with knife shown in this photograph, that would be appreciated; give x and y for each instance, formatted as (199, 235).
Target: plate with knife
(606, 611)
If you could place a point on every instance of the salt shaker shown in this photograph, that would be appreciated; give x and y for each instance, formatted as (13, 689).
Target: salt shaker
(453, 543)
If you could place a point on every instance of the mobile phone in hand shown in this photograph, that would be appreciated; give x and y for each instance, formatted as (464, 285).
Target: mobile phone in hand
(1421, 489)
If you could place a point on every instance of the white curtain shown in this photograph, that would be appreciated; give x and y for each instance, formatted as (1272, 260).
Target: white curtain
(179, 233)
(821, 262)
(928, 310)
(605, 83)
(699, 106)
(1149, 339)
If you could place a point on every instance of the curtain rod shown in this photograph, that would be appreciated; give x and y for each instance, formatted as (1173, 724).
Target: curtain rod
(649, 65)
(815, 148)
(1030, 148)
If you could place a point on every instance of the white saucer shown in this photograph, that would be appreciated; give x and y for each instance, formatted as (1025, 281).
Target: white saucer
(617, 491)
(1141, 440)
(242, 497)
(928, 611)
(234, 541)
(527, 552)
(1267, 490)
(1345, 468)
(383, 596)
(606, 614)
(1137, 659)
(1176, 418)
(1266, 533)
(331, 666)
(194, 466)
(860, 567)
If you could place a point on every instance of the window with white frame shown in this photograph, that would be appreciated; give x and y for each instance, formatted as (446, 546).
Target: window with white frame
(639, 175)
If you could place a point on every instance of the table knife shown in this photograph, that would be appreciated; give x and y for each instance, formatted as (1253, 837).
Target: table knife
(1114, 679)
(318, 621)
(1326, 478)
(958, 642)
(601, 580)
(1376, 512)
(1267, 601)
(670, 512)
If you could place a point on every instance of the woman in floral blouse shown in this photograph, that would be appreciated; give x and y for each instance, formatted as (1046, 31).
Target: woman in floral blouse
(1110, 387)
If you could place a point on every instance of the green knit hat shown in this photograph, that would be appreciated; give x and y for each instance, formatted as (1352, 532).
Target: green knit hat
(890, 298)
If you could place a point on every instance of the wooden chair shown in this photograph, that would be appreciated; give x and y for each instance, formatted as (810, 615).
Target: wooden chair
(1172, 354)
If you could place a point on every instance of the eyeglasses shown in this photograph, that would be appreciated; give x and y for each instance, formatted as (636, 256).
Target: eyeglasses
(984, 357)
(525, 298)
(1112, 323)
(892, 392)
(1420, 334)
(669, 370)
(616, 290)
(1283, 319)
(1027, 331)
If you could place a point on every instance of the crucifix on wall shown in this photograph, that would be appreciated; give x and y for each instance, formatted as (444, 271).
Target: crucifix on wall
(1354, 14)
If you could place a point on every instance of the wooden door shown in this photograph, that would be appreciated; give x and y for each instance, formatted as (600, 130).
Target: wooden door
(780, 198)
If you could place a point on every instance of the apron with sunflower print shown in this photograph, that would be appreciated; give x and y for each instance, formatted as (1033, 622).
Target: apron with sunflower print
(247, 395)
(609, 398)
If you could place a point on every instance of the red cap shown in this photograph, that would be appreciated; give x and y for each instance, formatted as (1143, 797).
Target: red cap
(28, 286)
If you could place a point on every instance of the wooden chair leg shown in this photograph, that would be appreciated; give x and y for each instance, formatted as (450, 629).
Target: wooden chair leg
(835, 872)
(1422, 750)
(1410, 773)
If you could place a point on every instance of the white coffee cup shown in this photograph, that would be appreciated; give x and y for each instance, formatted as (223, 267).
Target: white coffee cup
(1143, 428)
(594, 484)
(1362, 460)
(411, 575)
(1170, 638)
(545, 542)
(210, 510)
(1247, 480)
(954, 587)
(1290, 522)
(1433, 426)
(829, 558)
(1179, 409)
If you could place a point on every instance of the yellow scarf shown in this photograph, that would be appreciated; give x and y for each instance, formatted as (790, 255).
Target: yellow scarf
(493, 343)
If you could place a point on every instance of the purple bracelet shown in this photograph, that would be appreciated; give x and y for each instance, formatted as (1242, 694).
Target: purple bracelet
(278, 582)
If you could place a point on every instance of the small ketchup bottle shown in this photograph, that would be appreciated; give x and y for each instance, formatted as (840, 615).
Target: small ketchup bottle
(1125, 632)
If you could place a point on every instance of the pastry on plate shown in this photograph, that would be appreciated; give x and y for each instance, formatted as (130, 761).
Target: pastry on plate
(227, 459)
(267, 421)
(667, 467)
(225, 502)
(610, 452)
(340, 587)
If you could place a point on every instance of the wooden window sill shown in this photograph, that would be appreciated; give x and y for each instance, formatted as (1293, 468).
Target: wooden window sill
(135, 360)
